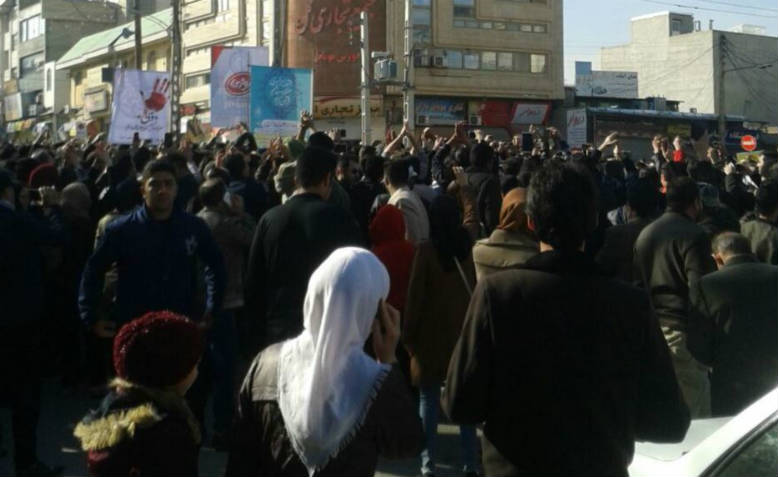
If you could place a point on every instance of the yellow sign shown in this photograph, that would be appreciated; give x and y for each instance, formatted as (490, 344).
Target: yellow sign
(683, 130)
(340, 108)
(748, 157)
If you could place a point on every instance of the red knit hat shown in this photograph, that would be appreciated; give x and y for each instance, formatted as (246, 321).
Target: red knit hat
(158, 349)
(45, 175)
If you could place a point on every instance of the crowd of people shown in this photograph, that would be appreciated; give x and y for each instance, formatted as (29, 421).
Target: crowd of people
(567, 301)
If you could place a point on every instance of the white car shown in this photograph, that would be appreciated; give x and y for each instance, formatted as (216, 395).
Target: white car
(745, 445)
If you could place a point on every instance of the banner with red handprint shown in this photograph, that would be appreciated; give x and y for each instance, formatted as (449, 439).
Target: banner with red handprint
(141, 104)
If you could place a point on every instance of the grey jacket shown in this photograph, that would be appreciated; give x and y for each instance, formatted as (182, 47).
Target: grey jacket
(503, 250)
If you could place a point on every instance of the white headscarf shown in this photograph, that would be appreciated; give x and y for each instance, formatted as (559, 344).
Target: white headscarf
(326, 382)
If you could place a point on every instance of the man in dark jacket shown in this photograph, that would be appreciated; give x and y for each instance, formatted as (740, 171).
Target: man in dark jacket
(733, 326)
(566, 367)
(22, 296)
(291, 240)
(156, 248)
(364, 192)
(486, 186)
(762, 231)
(671, 255)
(616, 256)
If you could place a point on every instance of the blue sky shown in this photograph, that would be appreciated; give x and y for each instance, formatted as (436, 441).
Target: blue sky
(590, 24)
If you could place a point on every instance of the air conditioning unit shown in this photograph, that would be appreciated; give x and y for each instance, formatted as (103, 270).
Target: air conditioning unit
(474, 120)
(385, 70)
(438, 59)
(34, 109)
(422, 120)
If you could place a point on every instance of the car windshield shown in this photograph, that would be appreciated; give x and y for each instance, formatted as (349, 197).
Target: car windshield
(699, 430)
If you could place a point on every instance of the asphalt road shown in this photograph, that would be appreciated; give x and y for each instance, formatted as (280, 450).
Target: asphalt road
(61, 411)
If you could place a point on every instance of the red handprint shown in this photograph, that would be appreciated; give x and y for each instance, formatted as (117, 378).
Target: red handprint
(157, 100)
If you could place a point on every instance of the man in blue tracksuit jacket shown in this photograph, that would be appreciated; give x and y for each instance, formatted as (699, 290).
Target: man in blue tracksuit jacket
(156, 248)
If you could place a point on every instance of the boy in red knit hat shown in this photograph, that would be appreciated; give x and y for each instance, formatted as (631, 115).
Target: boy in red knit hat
(144, 426)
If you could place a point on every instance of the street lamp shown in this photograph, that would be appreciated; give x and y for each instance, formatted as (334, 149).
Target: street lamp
(125, 33)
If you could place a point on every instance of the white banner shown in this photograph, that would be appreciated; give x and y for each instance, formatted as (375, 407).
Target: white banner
(576, 127)
(230, 83)
(141, 103)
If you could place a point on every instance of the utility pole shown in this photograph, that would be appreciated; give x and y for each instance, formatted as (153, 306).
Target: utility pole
(138, 38)
(175, 71)
(279, 31)
(409, 104)
(365, 87)
(722, 90)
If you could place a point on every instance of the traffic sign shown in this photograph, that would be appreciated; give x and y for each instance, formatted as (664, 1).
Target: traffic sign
(748, 143)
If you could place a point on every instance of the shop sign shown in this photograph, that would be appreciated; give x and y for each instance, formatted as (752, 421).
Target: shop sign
(439, 111)
(96, 101)
(342, 108)
(528, 113)
(576, 127)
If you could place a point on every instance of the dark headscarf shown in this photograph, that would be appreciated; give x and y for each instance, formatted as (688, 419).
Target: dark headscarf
(446, 231)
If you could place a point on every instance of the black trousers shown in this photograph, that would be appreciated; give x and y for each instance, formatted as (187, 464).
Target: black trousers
(20, 375)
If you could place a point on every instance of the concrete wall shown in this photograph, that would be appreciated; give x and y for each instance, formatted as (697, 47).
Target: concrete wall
(686, 67)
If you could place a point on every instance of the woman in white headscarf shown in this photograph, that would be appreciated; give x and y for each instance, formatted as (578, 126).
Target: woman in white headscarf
(317, 404)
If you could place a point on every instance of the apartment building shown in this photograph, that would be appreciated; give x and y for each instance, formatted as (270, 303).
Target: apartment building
(496, 64)
(208, 23)
(33, 35)
(89, 66)
(676, 58)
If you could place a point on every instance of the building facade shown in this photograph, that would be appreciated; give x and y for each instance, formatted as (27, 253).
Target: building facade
(89, 64)
(493, 63)
(208, 23)
(675, 58)
(33, 35)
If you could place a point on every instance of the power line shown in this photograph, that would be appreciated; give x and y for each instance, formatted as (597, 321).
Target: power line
(692, 7)
(729, 4)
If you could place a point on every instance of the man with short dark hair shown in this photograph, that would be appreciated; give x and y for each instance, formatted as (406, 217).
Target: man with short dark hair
(290, 241)
(396, 180)
(364, 192)
(485, 184)
(156, 248)
(567, 368)
(253, 194)
(616, 256)
(733, 325)
(762, 231)
(671, 255)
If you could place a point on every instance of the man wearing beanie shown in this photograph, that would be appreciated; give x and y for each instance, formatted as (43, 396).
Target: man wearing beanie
(144, 426)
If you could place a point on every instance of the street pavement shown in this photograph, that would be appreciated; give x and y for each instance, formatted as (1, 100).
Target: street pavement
(60, 412)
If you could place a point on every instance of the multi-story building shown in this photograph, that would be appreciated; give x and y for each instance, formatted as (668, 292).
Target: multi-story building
(33, 35)
(89, 64)
(208, 23)
(495, 64)
(674, 57)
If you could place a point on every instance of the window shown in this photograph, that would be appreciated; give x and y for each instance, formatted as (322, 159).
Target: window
(488, 60)
(30, 28)
(151, 60)
(222, 5)
(537, 64)
(464, 8)
(454, 59)
(49, 82)
(757, 458)
(505, 61)
(422, 22)
(522, 62)
(675, 27)
(195, 81)
(267, 22)
(31, 64)
(471, 61)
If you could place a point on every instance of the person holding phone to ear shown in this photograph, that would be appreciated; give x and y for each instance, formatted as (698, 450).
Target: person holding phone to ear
(317, 403)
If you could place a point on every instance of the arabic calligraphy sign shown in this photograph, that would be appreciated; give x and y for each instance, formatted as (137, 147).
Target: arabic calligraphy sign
(340, 108)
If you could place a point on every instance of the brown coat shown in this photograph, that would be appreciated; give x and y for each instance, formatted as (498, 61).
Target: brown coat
(503, 250)
(434, 313)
